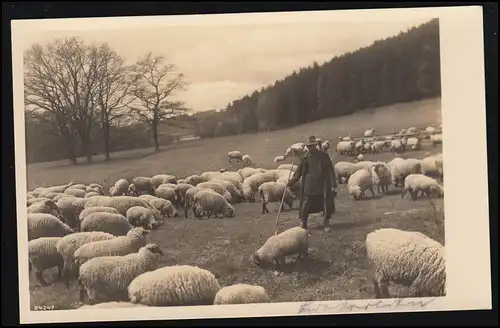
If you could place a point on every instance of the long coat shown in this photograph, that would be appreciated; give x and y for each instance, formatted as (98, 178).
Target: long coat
(327, 176)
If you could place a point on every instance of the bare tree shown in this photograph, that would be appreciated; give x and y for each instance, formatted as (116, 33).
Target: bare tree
(60, 78)
(154, 83)
(112, 95)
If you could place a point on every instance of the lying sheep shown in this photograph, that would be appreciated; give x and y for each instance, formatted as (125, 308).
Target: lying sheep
(212, 204)
(217, 187)
(276, 248)
(247, 161)
(121, 203)
(67, 246)
(358, 182)
(238, 156)
(241, 294)
(139, 216)
(381, 176)
(90, 210)
(118, 246)
(343, 170)
(178, 285)
(406, 257)
(43, 255)
(419, 182)
(272, 192)
(107, 278)
(46, 225)
(115, 224)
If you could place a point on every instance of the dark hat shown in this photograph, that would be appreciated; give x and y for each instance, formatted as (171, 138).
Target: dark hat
(311, 141)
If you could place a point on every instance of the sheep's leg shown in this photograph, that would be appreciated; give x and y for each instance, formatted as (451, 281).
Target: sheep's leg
(39, 276)
(263, 207)
(185, 212)
(60, 270)
(414, 194)
(405, 190)
(371, 190)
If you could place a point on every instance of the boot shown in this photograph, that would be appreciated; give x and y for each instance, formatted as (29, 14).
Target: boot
(326, 225)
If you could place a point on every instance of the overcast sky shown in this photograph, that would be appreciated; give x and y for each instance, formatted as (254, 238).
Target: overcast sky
(223, 63)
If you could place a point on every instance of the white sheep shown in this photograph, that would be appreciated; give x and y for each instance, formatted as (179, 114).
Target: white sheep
(166, 193)
(75, 192)
(195, 179)
(325, 145)
(272, 192)
(58, 189)
(107, 278)
(298, 150)
(189, 200)
(228, 175)
(71, 207)
(168, 185)
(139, 216)
(381, 176)
(252, 183)
(237, 155)
(236, 195)
(247, 161)
(79, 186)
(406, 257)
(277, 247)
(241, 294)
(92, 194)
(343, 171)
(397, 145)
(121, 203)
(247, 172)
(121, 186)
(413, 143)
(178, 285)
(208, 175)
(369, 132)
(436, 139)
(411, 130)
(115, 224)
(430, 130)
(67, 246)
(345, 147)
(45, 206)
(162, 178)
(278, 159)
(180, 191)
(140, 185)
(115, 191)
(401, 168)
(32, 201)
(90, 210)
(429, 166)
(358, 182)
(359, 158)
(165, 207)
(118, 246)
(439, 165)
(46, 225)
(367, 165)
(217, 187)
(43, 255)
(212, 203)
(95, 187)
(419, 182)
(292, 167)
(348, 138)
(377, 146)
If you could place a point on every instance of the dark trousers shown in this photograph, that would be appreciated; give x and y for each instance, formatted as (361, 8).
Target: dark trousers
(310, 205)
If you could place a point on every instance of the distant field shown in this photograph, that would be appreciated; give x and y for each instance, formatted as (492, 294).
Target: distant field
(338, 268)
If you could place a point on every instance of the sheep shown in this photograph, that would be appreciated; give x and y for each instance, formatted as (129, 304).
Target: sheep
(107, 278)
(121, 186)
(189, 200)
(238, 156)
(121, 203)
(110, 305)
(358, 182)
(79, 186)
(277, 247)
(166, 193)
(287, 167)
(147, 198)
(180, 191)
(228, 175)
(71, 207)
(43, 255)
(90, 210)
(162, 178)
(195, 179)
(165, 207)
(208, 175)
(217, 187)
(58, 189)
(325, 145)
(439, 165)
(278, 159)
(114, 192)
(419, 182)
(115, 224)
(247, 161)
(70, 243)
(247, 172)
(92, 194)
(139, 216)
(212, 204)
(430, 130)
(343, 171)
(45, 206)
(241, 294)
(406, 257)
(118, 246)
(251, 185)
(429, 166)
(411, 130)
(298, 150)
(140, 185)
(168, 185)
(436, 139)
(359, 158)
(95, 187)
(236, 195)
(181, 181)
(345, 147)
(46, 225)
(367, 147)
(413, 143)
(402, 131)
(32, 201)
(367, 165)
(75, 192)
(401, 168)
(381, 176)
(377, 146)
(348, 138)
(271, 192)
(369, 132)
(178, 285)
(396, 145)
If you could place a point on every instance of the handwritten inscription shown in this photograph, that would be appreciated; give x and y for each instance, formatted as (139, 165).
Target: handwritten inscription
(345, 306)
(44, 307)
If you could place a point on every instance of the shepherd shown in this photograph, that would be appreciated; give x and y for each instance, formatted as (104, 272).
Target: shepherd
(318, 184)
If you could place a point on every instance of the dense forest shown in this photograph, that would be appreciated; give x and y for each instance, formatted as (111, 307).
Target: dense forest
(402, 68)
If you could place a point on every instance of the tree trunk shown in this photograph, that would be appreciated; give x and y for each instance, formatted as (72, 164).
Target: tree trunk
(85, 142)
(154, 129)
(105, 136)
(70, 148)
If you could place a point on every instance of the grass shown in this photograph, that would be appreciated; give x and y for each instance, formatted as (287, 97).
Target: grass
(337, 269)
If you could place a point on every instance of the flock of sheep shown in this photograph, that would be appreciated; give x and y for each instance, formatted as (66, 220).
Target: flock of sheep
(100, 241)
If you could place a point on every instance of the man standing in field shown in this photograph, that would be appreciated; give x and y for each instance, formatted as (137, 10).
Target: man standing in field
(318, 178)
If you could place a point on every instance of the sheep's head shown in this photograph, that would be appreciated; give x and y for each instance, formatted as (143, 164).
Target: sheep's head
(256, 259)
(155, 249)
(222, 170)
(355, 192)
(229, 211)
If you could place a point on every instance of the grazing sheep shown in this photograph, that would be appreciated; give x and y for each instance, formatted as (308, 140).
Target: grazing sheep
(107, 278)
(343, 170)
(92, 194)
(75, 192)
(278, 159)
(238, 156)
(429, 167)
(325, 145)
(180, 191)
(251, 185)
(71, 207)
(397, 145)
(110, 305)
(118, 246)
(381, 176)
(178, 285)
(189, 200)
(45, 206)
(358, 182)
(406, 257)
(161, 179)
(439, 165)
(195, 180)
(247, 172)
(147, 198)
(79, 186)
(90, 210)
(165, 207)
(208, 175)
(140, 185)
(228, 175)
(366, 165)
(217, 187)
(276, 248)
(236, 195)
(212, 204)
(419, 182)
(95, 187)
(401, 168)
(115, 224)
(272, 192)
(139, 216)
(70, 243)
(369, 132)
(114, 191)
(32, 201)
(43, 255)
(168, 185)
(166, 193)
(359, 158)
(57, 189)
(241, 294)
(46, 225)
(121, 203)
(247, 161)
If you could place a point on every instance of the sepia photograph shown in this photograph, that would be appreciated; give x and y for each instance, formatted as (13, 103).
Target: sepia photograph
(253, 164)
